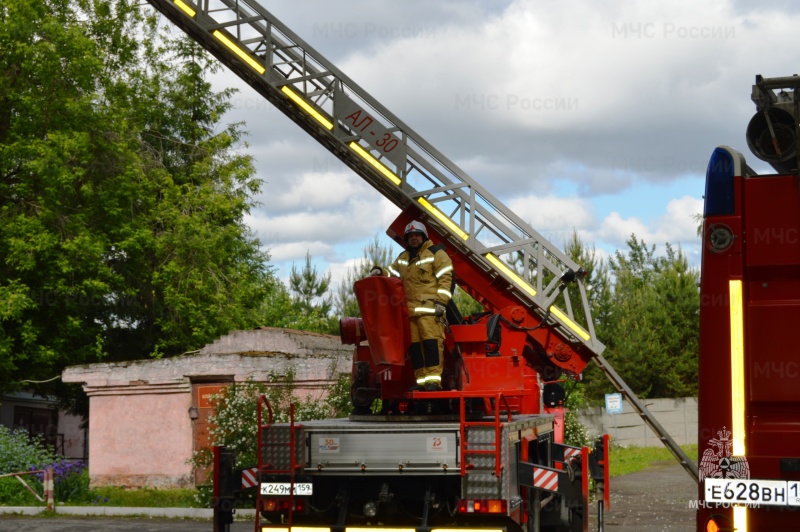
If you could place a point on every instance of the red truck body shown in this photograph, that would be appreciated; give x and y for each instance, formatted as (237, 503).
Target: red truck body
(749, 398)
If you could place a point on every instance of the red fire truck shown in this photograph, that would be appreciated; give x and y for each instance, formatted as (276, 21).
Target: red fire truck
(749, 399)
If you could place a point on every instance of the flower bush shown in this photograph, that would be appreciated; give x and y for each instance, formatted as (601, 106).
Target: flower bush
(70, 480)
(574, 431)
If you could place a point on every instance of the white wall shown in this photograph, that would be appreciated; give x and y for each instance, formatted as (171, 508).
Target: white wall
(677, 416)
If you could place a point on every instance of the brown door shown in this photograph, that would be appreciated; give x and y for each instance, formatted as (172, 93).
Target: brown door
(203, 401)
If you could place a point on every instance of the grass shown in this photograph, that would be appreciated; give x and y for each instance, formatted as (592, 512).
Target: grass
(625, 460)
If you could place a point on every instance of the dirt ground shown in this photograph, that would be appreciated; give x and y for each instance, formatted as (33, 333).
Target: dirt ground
(656, 499)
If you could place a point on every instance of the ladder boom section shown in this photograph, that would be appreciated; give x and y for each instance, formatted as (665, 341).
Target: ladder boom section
(392, 158)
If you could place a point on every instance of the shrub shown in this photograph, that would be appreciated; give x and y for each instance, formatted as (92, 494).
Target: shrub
(12, 493)
(19, 451)
(574, 431)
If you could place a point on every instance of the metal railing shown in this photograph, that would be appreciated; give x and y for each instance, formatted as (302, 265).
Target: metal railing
(48, 485)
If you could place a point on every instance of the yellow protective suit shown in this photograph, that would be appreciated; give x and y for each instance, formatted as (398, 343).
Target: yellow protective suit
(427, 279)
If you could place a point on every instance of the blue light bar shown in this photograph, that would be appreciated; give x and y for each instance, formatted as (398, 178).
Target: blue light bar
(725, 163)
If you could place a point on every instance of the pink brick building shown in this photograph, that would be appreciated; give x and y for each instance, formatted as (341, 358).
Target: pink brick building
(146, 417)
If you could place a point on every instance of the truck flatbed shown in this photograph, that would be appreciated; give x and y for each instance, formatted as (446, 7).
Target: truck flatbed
(337, 446)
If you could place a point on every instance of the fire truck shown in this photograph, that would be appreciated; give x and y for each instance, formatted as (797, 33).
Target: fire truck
(486, 452)
(749, 397)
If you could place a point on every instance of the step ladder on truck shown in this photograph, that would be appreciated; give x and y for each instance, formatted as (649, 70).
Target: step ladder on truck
(485, 453)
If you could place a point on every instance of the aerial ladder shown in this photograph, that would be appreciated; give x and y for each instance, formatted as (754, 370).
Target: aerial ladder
(477, 228)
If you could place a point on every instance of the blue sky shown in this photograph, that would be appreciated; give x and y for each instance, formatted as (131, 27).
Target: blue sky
(597, 116)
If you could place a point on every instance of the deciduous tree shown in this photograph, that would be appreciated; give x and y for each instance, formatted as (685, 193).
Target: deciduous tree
(122, 194)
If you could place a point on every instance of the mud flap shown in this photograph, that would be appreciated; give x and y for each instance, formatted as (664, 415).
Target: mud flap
(226, 483)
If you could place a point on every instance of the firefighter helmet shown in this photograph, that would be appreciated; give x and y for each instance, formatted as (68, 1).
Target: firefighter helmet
(415, 227)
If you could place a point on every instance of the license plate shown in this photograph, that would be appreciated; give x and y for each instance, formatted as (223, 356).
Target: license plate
(752, 492)
(285, 488)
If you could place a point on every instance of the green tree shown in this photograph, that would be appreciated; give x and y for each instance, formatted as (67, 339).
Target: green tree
(650, 324)
(466, 304)
(122, 197)
(310, 289)
(311, 302)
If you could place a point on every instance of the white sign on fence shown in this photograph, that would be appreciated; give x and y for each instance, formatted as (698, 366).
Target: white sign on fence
(613, 403)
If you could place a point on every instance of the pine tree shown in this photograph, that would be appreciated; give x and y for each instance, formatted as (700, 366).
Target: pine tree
(649, 323)
(310, 289)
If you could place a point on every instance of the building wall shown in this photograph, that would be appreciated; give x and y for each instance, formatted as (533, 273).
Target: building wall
(141, 437)
(75, 442)
(67, 432)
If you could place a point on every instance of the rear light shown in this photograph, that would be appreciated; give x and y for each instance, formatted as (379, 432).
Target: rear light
(282, 505)
(482, 506)
(721, 523)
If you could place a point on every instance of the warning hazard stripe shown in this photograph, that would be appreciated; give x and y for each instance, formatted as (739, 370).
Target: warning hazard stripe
(571, 452)
(249, 478)
(545, 479)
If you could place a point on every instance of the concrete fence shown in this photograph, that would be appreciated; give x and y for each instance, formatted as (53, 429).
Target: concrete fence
(677, 416)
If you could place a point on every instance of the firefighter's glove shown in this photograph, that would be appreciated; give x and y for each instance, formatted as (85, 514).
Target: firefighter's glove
(440, 308)
(375, 272)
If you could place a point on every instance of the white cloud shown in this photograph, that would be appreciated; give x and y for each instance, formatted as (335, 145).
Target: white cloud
(554, 216)
(676, 226)
(315, 191)
(295, 252)
(328, 214)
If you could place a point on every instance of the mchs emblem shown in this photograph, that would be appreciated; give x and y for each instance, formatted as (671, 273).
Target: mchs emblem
(718, 460)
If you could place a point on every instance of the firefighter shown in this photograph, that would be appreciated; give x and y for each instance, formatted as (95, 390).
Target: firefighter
(427, 274)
